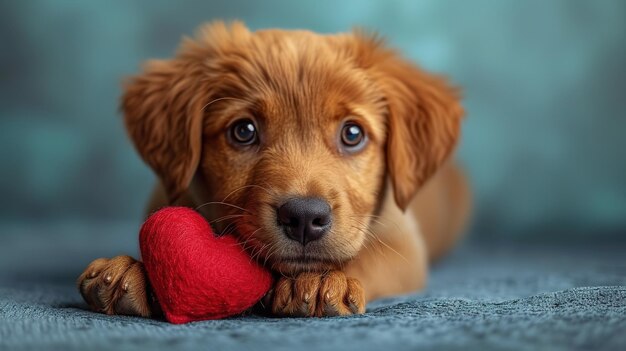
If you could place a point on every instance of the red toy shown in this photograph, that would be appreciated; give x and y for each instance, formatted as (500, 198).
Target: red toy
(195, 275)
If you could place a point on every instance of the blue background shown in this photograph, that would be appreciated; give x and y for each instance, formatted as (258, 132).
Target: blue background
(544, 84)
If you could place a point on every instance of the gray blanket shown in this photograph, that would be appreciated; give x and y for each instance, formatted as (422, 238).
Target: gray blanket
(481, 297)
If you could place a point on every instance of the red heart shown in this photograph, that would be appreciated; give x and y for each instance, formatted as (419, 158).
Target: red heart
(195, 275)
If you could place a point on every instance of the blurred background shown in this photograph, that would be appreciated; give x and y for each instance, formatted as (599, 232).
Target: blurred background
(544, 141)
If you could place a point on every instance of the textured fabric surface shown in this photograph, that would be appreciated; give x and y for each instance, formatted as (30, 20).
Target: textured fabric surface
(481, 297)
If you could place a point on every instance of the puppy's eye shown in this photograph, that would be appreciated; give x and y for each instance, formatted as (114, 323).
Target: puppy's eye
(243, 132)
(352, 137)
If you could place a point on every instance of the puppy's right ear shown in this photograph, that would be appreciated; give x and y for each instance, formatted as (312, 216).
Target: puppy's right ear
(164, 106)
(163, 110)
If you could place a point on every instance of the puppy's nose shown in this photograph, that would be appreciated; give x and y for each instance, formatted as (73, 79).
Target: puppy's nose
(305, 219)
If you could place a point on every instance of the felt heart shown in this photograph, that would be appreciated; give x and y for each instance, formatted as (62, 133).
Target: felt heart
(195, 275)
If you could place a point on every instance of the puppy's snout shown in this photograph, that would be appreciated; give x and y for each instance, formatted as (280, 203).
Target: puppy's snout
(305, 219)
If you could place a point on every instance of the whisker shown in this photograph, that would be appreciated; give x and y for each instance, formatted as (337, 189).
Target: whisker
(375, 236)
(388, 246)
(368, 239)
(393, 250)
(223, 203)
(230, 230)
(256, 255)
(272, 250)
(245, 187)
(223, 218)
(246, 245)
(251, 238)
(379, 220)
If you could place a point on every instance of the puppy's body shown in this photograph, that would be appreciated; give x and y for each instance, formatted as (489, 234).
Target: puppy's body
(326, 155)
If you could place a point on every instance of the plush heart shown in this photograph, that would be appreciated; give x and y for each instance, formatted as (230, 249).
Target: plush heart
(195, 275)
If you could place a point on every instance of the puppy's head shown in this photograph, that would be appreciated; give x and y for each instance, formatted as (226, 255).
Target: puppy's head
(291, 135)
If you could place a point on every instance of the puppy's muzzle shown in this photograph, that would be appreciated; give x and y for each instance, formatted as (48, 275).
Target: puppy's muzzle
(305, 219)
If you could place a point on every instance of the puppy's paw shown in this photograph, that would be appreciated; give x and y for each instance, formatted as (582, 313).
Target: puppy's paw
(116, 286)
(317, 295)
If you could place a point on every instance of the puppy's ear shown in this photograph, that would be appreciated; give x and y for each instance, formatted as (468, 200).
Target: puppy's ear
(424, 123)
(163, 110)
(164, 106)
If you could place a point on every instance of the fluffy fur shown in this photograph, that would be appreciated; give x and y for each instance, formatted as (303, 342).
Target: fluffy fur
(395, 204)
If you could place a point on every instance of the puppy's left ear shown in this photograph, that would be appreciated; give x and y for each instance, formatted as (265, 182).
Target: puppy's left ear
(424, 124)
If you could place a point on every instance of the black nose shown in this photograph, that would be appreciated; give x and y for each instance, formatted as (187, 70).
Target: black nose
(305, 219)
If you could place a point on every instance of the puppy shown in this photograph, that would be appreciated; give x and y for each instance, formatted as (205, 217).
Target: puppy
(327, 155)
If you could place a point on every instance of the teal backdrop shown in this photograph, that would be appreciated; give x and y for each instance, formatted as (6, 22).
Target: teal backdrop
(545, 87)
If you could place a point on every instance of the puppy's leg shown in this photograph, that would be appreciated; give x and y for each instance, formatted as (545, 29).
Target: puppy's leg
(317, 295)
(117, 286)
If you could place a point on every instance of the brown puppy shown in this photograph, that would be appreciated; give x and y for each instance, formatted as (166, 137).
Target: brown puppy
(315, 150)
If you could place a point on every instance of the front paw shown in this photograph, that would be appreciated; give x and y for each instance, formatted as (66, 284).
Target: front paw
(317, 295)
(116, 286)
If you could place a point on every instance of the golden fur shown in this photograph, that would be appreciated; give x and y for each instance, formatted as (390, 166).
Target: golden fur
(390, 211)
